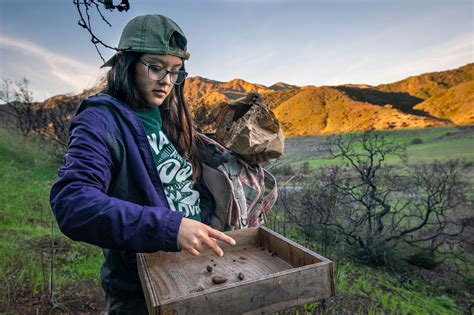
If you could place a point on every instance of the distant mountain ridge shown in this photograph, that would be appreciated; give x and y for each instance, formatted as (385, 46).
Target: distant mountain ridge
(199, 89)
(429, 84)
(427, 100)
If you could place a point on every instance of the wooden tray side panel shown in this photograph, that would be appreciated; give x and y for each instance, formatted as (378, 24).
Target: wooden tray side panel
(244, 237)
(294, 288)
(288, 250)
(147, 285)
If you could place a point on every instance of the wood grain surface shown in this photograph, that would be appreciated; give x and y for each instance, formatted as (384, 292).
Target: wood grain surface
(278, 274)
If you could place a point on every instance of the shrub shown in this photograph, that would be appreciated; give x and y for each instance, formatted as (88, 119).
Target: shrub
(416, 141)
(423, 258)
(375, 210)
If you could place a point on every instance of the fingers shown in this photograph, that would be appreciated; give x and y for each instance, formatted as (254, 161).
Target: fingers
(221, 236)
(212, 244)
(193, 235)
(194, 248)
(193, 252)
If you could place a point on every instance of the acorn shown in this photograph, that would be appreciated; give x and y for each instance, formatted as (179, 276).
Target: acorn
(241, 276)
(209, 268)
(219, 279)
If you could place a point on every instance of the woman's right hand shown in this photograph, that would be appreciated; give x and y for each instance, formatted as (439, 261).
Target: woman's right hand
(193, 235)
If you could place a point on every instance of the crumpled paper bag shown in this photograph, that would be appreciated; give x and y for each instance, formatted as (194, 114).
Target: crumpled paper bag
(246, 126)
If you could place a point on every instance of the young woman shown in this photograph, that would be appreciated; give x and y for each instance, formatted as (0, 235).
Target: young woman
(131, 174)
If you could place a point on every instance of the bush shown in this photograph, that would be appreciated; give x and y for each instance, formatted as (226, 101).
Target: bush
(416, 141)
(304, 168)
(423, 258)
(288, 170)
(375, 210)
(378, 254)
(284, 170)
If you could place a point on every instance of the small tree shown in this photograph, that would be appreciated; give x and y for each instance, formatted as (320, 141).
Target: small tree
(46, 121)
(54, 126)
(376, 209)
(18, 100)
(304, 169)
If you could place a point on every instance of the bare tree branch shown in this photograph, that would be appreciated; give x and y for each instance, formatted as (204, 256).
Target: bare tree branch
(83, 8)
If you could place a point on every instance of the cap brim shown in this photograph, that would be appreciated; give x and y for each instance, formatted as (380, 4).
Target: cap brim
(111, 61)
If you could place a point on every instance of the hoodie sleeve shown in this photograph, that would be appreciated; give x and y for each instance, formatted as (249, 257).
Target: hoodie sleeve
(85, 212)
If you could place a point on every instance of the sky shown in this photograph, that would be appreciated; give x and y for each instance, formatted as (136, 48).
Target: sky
(318, 42)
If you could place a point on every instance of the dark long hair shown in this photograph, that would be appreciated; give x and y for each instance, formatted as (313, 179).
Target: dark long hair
(177, 121)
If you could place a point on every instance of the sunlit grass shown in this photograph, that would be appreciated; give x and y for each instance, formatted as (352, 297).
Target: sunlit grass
(436, 144)
(31, 245)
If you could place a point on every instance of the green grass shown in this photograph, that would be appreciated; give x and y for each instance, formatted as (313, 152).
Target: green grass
(438, 144)
(28, 227)
(365, 290)
(387, 294)
(372, 291)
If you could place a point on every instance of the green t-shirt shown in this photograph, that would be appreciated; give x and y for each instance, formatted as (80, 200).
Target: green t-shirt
(174, 171)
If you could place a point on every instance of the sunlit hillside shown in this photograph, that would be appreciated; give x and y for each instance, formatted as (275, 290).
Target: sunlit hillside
(455, 104)
(429, 84)
(327, 110)
(434, 99)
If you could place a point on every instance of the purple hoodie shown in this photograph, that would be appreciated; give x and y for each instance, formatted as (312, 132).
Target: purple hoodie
(109, 192)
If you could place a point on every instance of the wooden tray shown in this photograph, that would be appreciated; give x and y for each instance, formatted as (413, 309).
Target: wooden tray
(278, 274)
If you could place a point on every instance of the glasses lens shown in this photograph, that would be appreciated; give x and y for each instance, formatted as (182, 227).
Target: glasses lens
(178, 77)
(156, 73)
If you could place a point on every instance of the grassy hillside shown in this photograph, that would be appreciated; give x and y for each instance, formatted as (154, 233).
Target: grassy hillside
(435, 291)
(33, 251)
(275, 99)
(455, 104)
(427, 100)
(328, 110)
(436, 143)
(31, 244)
(427, 85)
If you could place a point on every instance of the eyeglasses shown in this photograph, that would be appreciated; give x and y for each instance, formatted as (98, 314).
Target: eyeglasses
(157, 73)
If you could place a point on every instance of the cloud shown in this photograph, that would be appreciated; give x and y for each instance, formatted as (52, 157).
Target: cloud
(439, 57)
(374, 66)
(68, 71)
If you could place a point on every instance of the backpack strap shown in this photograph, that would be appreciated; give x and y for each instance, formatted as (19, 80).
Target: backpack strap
(233, 169)
(270, 194)
(225, 175)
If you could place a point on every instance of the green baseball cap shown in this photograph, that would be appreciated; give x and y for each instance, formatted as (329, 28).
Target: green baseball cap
(150, 34)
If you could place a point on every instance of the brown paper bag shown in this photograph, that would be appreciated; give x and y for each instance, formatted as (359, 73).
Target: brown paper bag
(246, 126)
